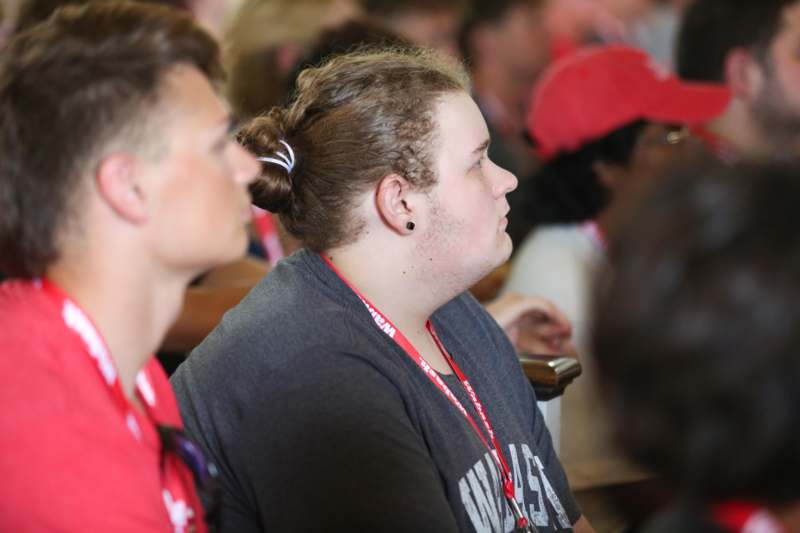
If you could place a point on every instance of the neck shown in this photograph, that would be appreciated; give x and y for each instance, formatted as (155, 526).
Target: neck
(390, 283)
(737, 128)
(130, 308)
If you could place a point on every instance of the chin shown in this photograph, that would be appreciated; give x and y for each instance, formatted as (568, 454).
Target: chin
(505, 249)
(235, 249)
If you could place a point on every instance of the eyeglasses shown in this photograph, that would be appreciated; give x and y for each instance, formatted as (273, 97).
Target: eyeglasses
(671, 137)
(206, 477)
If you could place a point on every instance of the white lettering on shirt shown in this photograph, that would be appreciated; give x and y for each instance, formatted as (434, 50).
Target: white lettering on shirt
(179, 512)
(534, 463)
(484, 500)
(80, 324)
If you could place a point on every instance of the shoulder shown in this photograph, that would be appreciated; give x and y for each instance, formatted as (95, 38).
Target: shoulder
(36, 352)
(553, 256)
(562, 239)
(24, 309)
(465, 323)
(464, 312)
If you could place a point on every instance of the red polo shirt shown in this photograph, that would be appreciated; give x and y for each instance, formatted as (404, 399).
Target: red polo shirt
(69, 460)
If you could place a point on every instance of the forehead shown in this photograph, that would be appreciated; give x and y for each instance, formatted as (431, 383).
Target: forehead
(460, 125)
(789, 25)
(189, 100)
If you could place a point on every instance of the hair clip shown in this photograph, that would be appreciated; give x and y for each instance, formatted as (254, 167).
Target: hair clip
(285, 161)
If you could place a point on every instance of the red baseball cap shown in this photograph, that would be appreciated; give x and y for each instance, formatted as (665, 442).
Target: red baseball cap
(599, 89)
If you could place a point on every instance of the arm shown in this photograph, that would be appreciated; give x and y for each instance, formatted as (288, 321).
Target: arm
(582, 526)
(534, 325)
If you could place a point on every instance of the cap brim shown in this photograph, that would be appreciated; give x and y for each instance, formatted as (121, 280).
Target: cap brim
(690, 103)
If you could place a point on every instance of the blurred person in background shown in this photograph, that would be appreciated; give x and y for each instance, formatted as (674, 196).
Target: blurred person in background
(9, 11)
(267, 40)
(100, 234)
(429, 23)
(696, 336)
(656, 30)
(607, 122)
(752, 48)
(576, 23)
(506, 47)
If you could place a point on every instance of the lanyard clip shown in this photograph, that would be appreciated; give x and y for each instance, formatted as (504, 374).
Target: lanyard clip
(522, 524)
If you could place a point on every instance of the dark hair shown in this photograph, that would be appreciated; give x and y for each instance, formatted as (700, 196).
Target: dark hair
(481, 13)
(710, 29)
(353, 121)
(567, 188)
(68, 88)
(697, 326)
(35, 11)
(388, 8)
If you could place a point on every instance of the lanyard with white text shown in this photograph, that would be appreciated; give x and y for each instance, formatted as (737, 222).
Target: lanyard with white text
(79, 322)
(385, 325)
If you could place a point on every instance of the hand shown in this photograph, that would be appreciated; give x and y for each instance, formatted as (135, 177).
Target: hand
(534, 325)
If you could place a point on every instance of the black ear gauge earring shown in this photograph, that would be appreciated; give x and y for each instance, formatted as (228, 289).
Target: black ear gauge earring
(410, 226)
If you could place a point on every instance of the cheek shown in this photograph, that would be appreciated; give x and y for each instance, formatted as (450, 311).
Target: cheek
(790, 86)
(201, 201)
(786, 72)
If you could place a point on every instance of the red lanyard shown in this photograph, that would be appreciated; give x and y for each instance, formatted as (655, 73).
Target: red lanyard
(79, 322)
(744, 517)
(385, 325)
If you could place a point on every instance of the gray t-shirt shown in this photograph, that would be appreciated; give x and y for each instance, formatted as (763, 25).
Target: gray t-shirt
(318, 421)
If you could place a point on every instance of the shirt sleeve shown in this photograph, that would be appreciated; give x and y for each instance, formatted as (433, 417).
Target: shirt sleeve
(335, 450)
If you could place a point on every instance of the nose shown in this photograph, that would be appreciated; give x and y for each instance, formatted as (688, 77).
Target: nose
(246, 167)
(503, 181)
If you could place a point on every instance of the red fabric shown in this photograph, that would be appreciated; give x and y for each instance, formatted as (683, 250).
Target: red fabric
(598, 89)
(561, 46)
(744, 517)
(68, 461)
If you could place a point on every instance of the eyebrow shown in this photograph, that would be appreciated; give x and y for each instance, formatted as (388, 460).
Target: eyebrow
(483, 146)
(233, 125)
(230, 124)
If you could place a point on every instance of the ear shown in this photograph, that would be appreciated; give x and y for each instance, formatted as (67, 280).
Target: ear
(395, 202)
(743, 74)
(117, 185)
(609, 174)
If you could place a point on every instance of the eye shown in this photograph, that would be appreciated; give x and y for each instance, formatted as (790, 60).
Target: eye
(222, 143)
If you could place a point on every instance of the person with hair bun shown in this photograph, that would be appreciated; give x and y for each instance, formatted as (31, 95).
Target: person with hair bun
(359, 387)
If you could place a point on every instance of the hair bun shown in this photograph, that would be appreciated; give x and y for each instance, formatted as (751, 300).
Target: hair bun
(264, 136)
